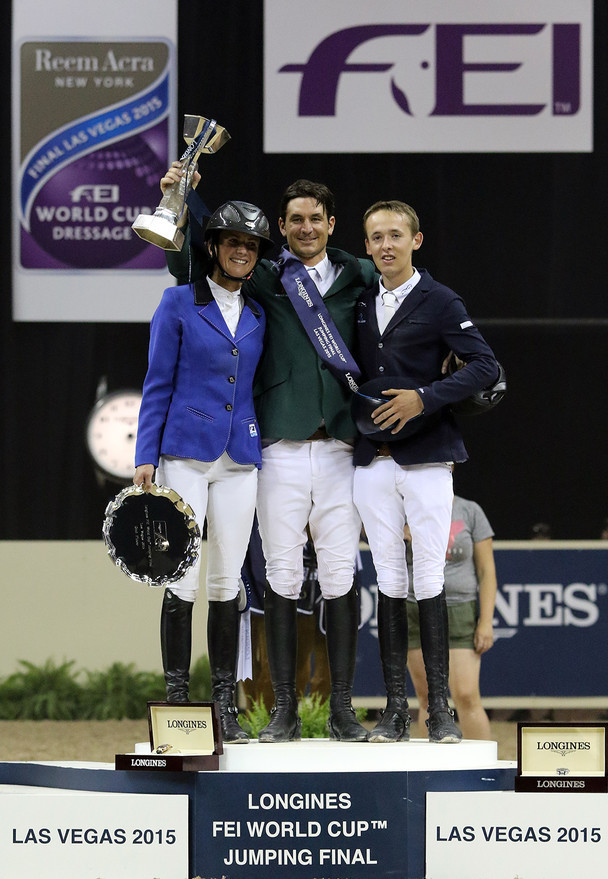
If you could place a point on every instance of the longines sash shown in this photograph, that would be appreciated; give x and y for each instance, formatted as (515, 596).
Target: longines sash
(317, 321)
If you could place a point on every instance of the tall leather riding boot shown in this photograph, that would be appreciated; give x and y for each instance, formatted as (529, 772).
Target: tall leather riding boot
(342, 623)
(281, 624)
(176, 645)
(223, 645)
(434, 640)
(394, 725)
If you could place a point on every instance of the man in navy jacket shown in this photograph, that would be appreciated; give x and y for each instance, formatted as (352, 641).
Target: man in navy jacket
(407, 325)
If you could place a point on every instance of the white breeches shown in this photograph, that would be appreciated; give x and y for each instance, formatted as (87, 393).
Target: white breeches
(224, 493)
(387, 495)
(308, 483)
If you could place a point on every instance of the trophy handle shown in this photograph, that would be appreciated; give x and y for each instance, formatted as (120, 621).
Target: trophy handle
(215, 139)
(202, 136)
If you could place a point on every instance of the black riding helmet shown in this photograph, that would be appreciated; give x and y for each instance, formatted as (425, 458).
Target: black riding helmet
(484, 400)
(238, 216)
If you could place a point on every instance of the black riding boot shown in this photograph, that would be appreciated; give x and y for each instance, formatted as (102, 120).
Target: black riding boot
(434, 640)
(223, 645)
(394, 725)
(342, 622)
(281, 624)
(176, 645)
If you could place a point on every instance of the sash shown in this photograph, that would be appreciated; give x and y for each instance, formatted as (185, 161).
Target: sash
(329, 345)
(318, 324)
(198, 208)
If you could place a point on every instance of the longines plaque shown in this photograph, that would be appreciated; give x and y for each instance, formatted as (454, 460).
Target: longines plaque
(184, 736)
(561, 757)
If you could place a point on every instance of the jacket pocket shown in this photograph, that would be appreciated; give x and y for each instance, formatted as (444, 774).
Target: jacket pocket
(200, 414)
(250, 425)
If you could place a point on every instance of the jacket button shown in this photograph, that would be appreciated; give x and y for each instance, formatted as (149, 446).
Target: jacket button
(380, 369)
(232, 379)
(228, 407)
(235, 351)
(380, 344)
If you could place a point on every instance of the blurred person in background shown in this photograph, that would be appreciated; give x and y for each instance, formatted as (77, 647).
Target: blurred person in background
(470, 589)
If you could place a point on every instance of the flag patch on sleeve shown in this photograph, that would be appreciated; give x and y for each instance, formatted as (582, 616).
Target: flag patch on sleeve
(465, 324)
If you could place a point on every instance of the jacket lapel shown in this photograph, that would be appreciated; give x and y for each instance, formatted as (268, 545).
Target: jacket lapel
(411, 302)
(248, 321)
(369, 300)
(346, 277)
(211, 312)
(212, 315)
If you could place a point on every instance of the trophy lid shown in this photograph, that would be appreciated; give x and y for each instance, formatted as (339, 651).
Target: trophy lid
(152, 536)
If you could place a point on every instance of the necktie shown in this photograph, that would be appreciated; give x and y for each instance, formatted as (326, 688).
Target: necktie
(318, 280)
(389, 303)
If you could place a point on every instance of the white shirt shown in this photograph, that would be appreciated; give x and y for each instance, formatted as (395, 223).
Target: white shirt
(323, 274)
(399, 293)
(230, 303)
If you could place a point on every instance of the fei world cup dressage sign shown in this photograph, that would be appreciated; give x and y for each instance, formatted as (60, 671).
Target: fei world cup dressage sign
(401, 76)
(94, 98)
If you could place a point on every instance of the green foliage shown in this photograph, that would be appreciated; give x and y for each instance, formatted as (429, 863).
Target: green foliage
(41, 692)
(255, 718)
(200, 680)
(361, 714)
(314, 712)
(120, 692)
(55, 692)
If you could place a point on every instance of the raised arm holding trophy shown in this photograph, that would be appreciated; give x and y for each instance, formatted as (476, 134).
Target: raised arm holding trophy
(202, 136)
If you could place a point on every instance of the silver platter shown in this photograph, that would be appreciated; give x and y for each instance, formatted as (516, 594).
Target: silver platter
(152, 536)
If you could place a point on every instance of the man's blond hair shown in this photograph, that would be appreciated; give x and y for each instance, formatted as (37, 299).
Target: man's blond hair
(398, 207)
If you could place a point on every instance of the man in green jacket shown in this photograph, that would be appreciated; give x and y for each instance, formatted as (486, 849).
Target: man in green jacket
(307, 433)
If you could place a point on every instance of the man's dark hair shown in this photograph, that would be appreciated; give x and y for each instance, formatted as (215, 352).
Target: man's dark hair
(307, 189)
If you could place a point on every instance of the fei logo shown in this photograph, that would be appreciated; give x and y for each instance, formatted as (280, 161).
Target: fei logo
(400, 76)
(97, 193)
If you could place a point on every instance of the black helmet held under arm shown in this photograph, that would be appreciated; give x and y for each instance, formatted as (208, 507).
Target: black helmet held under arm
(483, 400)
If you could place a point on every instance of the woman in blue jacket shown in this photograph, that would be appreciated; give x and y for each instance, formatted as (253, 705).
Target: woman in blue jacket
(197, 428)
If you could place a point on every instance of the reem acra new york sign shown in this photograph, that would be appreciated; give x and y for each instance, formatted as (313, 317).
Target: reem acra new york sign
(400, 76)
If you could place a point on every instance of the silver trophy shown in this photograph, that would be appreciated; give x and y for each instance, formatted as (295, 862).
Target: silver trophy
(152, 536)
(160, 228)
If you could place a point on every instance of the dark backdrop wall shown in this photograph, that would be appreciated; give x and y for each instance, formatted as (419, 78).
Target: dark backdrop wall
(521, 236)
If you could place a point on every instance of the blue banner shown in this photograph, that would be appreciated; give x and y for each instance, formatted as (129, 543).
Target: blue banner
(550, 625)
(306, 825)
